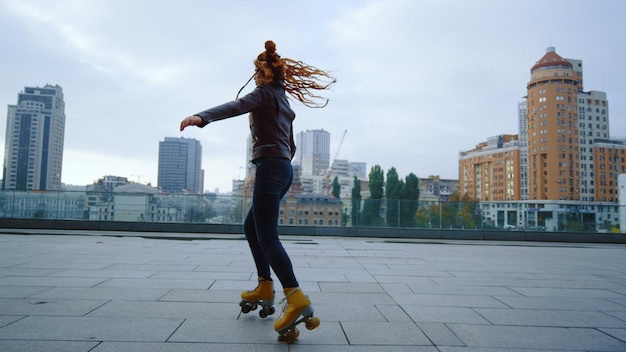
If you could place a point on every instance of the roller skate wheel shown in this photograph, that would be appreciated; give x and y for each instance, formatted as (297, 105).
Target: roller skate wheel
(291, 336)
(312, 323)
(246, 307)
(263, 313)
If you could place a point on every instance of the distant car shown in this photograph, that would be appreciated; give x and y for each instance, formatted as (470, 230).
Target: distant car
(509, 227)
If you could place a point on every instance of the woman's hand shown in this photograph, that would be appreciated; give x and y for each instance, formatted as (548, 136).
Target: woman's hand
(190, 121)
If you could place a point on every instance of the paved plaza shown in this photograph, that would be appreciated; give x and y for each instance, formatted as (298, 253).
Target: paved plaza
(115, 292)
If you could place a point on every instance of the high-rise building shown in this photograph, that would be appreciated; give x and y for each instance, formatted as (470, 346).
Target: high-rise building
(565, 149)
(489, 172)
(313, 152)
(553, 141)
(35, 133)
(609, 162)
(180, 165)
(522, 112)
(593, 126)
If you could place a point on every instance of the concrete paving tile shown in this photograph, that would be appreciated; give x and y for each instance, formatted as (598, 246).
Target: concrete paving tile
(46, 346)
(469, 301)
(444, 315)
(520, 337)
(352, 312)
(566, 292)
(561, 303)
(20, 291)
(439, 334)
(461, 290)
(556, 280)
(244, 265)
(155, 283)
(11, 262)
(329, 262)
(508, 349)
(201, 275)
(558, 318)
(146, 309)
(620, 301)
(350, 298)
(396, 288)
(352, 287)
(393, 313)
(412, 271)
(619, 334)
(61, 265)
(90, 329)
(106, 273)
(514, 283)
(50, 281)
(187, 347)
(102, 293)
(210, 295)
(26, 272)
(154, 267)
(621, 314)
(8, 319)
(359, 276)
(359, 348)
(395, 279)
(384, 334)
(65, 307)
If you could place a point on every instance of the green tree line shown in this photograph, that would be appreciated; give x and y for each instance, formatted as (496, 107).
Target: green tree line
(394, 202)
(399, 197)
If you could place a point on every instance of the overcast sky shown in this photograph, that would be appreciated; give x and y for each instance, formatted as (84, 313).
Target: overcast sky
(417, 81)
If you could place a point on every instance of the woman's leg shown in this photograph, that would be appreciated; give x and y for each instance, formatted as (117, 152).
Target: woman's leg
(262, 265)
(273, 179)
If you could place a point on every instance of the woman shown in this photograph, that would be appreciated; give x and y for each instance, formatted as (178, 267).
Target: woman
(271, 126)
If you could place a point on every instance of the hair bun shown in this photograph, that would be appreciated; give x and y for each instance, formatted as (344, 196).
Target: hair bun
(270, 46)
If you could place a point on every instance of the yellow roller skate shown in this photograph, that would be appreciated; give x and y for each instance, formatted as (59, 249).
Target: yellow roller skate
(262, 295)
(298, 309)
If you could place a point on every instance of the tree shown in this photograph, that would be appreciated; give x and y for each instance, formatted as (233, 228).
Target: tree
(344, 217)
(393, 193)
(371, 208)
(429, 217)
(356, 201)
(336, 191)
(460, 212)
(410, 203)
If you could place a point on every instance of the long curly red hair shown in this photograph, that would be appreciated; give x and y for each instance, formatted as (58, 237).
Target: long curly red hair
(299, 79)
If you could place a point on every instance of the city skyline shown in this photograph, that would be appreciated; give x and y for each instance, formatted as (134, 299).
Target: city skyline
(414, 78)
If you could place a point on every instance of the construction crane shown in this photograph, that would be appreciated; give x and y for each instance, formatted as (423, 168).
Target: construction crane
(332, 164)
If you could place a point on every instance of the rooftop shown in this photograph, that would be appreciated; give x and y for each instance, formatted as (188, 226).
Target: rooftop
(99, 291)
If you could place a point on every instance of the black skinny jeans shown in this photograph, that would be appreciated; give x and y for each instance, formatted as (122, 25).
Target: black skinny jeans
(273, 179)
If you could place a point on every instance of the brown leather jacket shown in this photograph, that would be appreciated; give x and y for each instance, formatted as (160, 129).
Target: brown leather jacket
(271, 120)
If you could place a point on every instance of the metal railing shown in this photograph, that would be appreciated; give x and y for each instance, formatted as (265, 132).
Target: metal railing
(314, 211)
